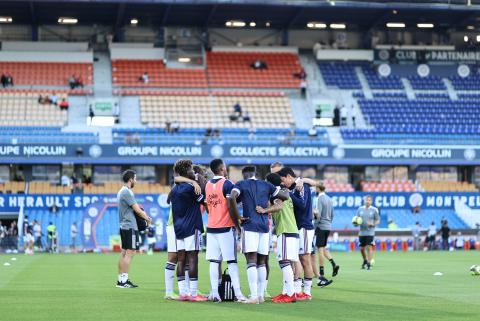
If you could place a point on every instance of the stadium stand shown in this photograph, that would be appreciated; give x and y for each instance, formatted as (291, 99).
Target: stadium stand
(12, 187)
(341, 75)
(37, 187)
(446, 186)
(426, 83)
(23, 109)
(113, 187)
(333, 186)
(47, 73)
(126, 73)
(44, 134)
(378, 82)
(389, 186)
(232, 70)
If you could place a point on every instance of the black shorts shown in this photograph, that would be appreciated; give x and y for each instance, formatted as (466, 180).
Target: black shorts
(130, 239)
(321, 237)
(366, 240)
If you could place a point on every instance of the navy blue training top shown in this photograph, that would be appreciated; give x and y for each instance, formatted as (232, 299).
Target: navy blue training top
(186, 210)
(302, 206)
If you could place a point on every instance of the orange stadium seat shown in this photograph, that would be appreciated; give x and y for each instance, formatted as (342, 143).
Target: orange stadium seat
(47, 73)
(226, 69)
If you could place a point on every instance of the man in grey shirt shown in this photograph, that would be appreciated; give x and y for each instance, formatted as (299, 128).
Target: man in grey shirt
(371, 218)
(323, 225)
(127, 209)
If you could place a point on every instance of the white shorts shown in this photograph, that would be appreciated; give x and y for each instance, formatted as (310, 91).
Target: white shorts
(287, 248)
(151, 240)
(255, 242)
(28, 238)
(222, 246)
(190, 243)
(171, 239)
(305, 241)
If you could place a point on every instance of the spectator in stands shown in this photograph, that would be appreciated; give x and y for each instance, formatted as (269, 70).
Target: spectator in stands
(316, 47)
(353, 115)
(237, 109)
(65, 180)
(54, 209)
(175, 126)
(416, 209)
(259, 64)
(343, 116)
(168, 126)
(207, 135)
(64, 104)
(302, 75)
(431, 235)
(416, 230)
(144, 78)
(73, 235)
(443, 220)
(459, 241)
(53, 99)
(91, 114)
(336, 116)
(37, 234)
(79, 81)
(216, 133)
(246, 117)
(9, 80)
(72, 82)
(86, 179)
(303, 88)
(4, 81)
(445, 231)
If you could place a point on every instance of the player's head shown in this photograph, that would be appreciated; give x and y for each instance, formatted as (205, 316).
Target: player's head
(274, 179)
(275, 167)
(218, 167)
(200, 170)
(129, 177)
(368, 200)
(288, 176)
(249, 171)
(321, 188)
(183, 167)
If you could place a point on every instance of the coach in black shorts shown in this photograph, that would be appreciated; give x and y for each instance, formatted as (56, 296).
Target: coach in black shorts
(370, 218)
(127, 209)
(323, 225)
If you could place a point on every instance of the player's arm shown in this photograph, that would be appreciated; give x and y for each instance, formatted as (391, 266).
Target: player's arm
(233, 208)
(311, 182)
(277, 206)
(180, 179)
(319, 209)
(141, 213)
(298, 200)
(277, 192)
(377, 218)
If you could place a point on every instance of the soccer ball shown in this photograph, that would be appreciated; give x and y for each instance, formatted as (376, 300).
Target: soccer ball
(475, 270)
(357, 220)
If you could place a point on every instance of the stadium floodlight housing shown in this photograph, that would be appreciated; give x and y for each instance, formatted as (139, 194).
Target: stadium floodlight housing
(6, 20)
(235, 24)
(67, 20)
(425, 25)
(184, 59)
(134, 21)
(395, 25)
(338, 26)
(252, 24)
(316, 25)
(465, 38)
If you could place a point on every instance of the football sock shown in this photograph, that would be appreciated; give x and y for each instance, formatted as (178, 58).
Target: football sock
(262, 279)
(193, 286)
(307, 286)
(252, 276)
(287, 273)
(234, 275)
(187, 278)
(124, 277)
(120, 278)
(169, 277)
(214, 278)
(333, 262)
(322, 271)
(181, 285)
(297, 285)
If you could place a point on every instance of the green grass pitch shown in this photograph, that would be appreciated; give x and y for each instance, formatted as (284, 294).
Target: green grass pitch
(81, 287)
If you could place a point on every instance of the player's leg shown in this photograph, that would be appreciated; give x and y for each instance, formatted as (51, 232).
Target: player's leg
(321, 262)
(181, 257)
(228, 248)
(287, 253)
(171, 263)
(214, 255)
(129, 245)
(262, 256)
(192, 247)
(305, 259)
(250, 241)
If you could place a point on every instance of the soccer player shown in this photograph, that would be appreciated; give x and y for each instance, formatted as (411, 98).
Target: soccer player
(188, 226)
(323, 225)
(302, 203)
(287, 240)
(221, 232)
(255, 237)
(28, 238)
(371, 218)
(127, 209)
(172, 258)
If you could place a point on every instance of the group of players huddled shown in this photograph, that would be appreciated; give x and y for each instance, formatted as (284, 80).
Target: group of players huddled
(281, 203)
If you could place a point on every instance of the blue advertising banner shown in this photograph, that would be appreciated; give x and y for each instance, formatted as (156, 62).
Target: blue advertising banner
(260, 154)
